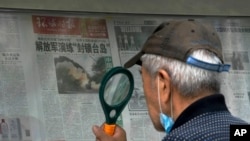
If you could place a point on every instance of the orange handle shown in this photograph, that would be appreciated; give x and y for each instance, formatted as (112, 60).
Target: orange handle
(109, 129)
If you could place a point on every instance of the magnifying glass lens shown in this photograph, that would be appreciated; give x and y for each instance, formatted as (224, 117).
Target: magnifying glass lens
(116, 89)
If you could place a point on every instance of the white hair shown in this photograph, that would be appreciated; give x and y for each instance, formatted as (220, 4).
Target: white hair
(189, 80)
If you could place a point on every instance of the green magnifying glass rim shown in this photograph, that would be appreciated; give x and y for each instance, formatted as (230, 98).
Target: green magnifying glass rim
(118, 108)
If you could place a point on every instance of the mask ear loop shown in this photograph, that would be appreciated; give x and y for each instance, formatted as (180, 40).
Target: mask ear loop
(171, 103)
(159, 98)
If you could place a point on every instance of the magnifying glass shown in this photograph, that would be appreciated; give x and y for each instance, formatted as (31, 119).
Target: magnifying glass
(115, 91)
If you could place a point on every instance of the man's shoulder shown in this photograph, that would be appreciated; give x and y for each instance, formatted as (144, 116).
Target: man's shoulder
(214, 125)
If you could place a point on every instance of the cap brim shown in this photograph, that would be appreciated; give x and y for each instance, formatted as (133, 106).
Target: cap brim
(134, 60)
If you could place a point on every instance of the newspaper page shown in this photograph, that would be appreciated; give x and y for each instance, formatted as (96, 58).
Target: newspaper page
(235, 34)
(72, 55)
(14, 101)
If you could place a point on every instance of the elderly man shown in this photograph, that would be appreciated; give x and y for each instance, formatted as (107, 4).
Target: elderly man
(180, 65)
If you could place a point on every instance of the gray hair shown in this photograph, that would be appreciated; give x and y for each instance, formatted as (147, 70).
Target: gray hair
(188, 79)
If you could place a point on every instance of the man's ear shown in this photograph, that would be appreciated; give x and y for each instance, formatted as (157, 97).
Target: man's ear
(164, 85)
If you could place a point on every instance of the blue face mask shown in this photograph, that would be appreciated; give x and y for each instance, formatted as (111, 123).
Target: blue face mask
(166, 122)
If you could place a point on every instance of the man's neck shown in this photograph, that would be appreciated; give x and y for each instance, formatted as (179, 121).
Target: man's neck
(180, 102)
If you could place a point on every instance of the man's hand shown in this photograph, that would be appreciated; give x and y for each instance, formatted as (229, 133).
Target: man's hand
(119, 134)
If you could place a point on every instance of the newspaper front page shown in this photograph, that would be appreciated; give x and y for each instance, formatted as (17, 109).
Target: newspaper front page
(73, 54)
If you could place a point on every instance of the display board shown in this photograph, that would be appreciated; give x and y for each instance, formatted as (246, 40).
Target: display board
(51, 66)
(174, 7)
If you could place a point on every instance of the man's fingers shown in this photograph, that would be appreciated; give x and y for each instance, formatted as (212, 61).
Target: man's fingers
(119, 135)
(98, 131)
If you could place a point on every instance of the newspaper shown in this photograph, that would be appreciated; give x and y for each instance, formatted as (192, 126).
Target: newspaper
(235, 41)
(13, 88)
(67, 58)
(73, 54)
(51, 67)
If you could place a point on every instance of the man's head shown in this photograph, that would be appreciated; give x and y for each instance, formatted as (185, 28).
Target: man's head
(185, 56)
